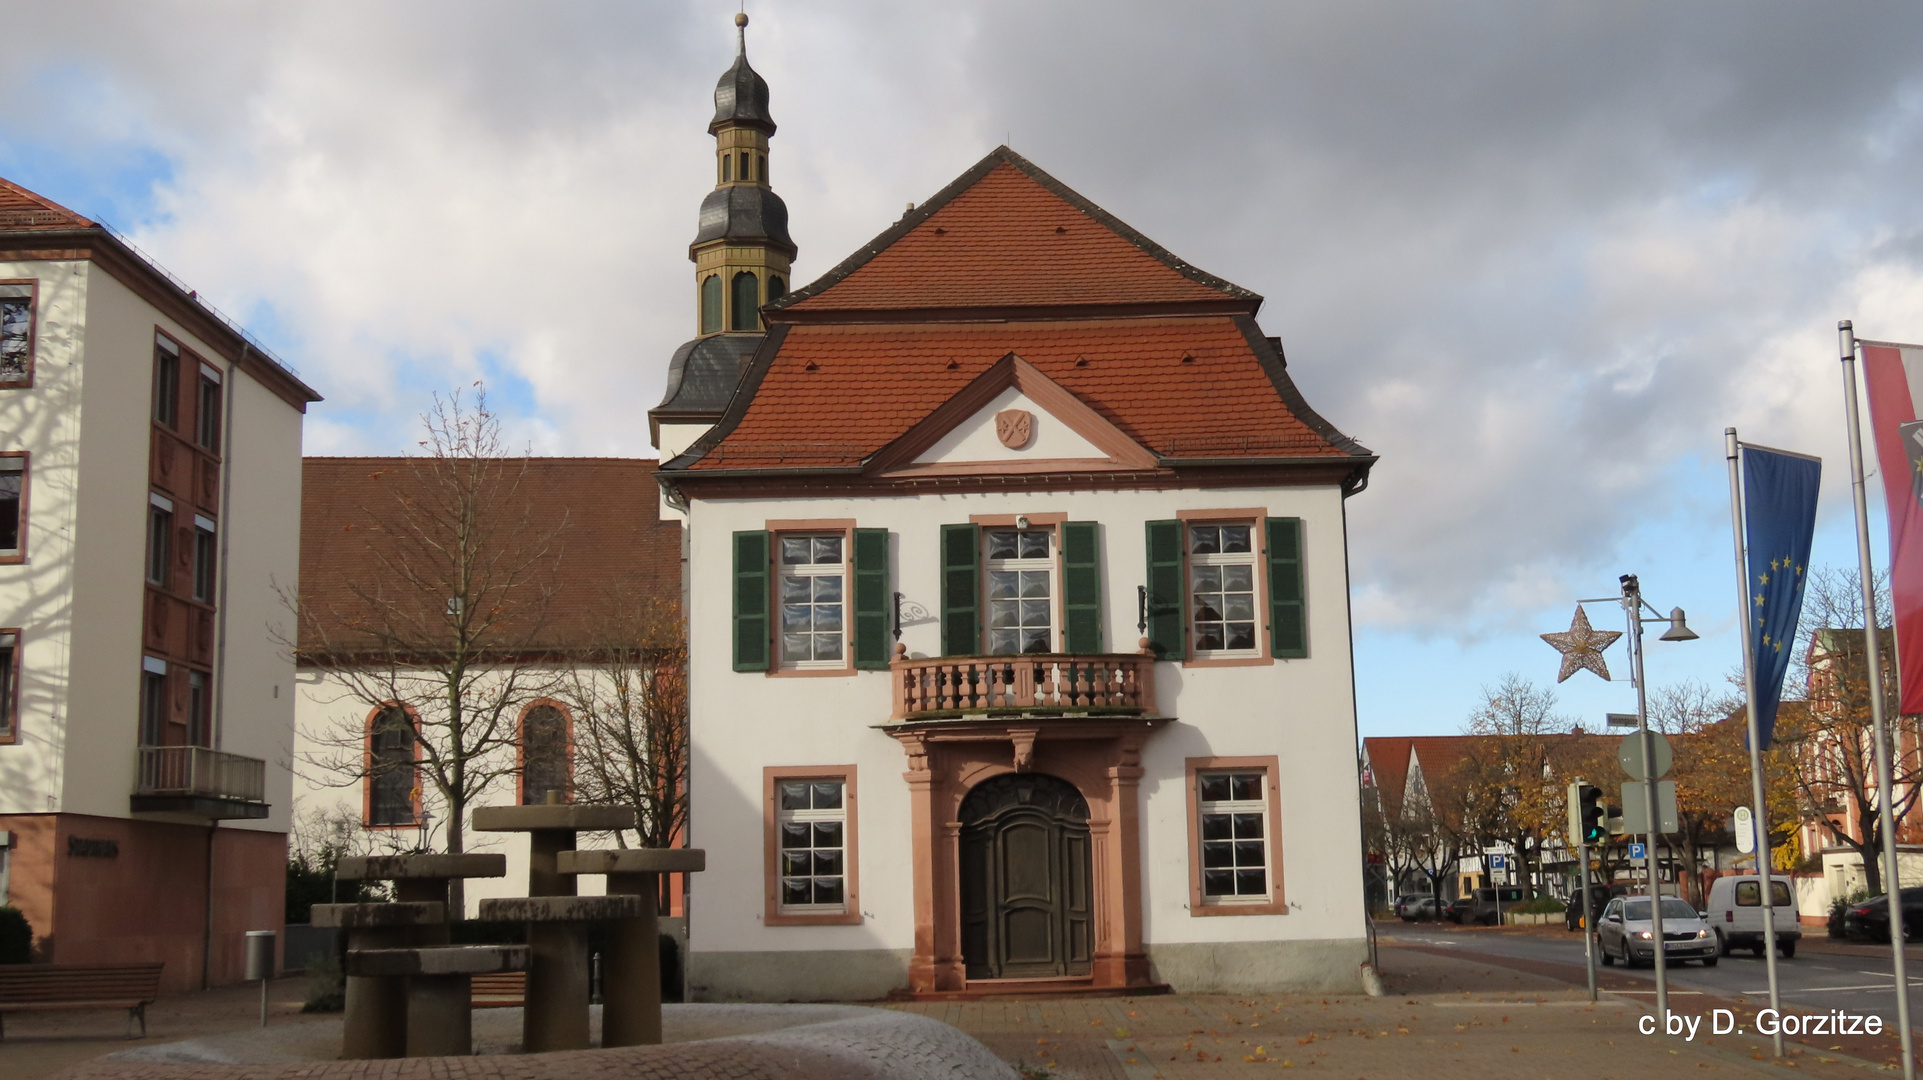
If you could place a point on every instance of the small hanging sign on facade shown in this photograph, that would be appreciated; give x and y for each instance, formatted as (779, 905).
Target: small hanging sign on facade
(1015, 427)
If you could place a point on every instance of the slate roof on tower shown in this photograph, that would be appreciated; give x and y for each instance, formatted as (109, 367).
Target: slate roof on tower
(1007, 260)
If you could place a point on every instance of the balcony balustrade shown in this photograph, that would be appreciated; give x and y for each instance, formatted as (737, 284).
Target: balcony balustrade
(1032, 682)
(196, 780)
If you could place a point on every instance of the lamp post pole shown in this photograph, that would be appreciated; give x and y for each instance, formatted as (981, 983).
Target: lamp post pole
(1632, 608)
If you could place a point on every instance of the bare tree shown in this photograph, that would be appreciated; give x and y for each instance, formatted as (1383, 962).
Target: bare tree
(630, 702)
(440, 632)
(1830, 747)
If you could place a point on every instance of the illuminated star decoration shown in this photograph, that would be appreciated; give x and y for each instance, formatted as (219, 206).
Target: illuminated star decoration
(1582, 646)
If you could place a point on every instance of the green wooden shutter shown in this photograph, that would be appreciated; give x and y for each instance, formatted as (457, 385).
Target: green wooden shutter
(752, 647)
(961, 625)
(1081, 588)
(1167, 591)
(1288, 618)
(871, 598)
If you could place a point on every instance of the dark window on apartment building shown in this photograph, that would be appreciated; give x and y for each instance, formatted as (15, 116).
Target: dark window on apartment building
(166, 382)
(206, 549)
(200, 710)
(207, 416)
(160, 536)
(13, 505)
(16, 335)
(153, 701)
(9, 685)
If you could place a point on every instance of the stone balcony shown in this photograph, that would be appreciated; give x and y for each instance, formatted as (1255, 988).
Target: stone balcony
(1095, 684)
(196, 780)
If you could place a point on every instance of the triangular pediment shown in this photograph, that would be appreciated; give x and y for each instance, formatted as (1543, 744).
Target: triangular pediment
(1011, 419)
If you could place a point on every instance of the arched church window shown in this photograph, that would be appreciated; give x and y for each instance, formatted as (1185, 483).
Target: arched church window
(393, 778)
(711, 304)
(544, 753)
(727, 167)
(747, 300)
(776, 288)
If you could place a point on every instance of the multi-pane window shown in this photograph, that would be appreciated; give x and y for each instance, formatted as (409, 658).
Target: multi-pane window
(812, 821)
(813, 573)
(9, 683)
(166, 382)
(1222, 589)
(1020, 570)
(711, 304)
(16, 339)
(544, 753)
(206, 552)
(1235, 836)
(153, 701)
(391, 779)
(160, 538)
(207, 415)
(200, 710)
(13, 492)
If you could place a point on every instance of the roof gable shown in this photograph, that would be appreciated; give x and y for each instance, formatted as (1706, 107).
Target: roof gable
(961, 436)
(22, 209)
(1006, 234)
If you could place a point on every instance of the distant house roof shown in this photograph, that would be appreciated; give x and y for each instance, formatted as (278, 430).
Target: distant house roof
(612, 543)
(23, 209)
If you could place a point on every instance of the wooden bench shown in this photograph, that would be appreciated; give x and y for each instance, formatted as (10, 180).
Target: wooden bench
(54, 987)
(499, 990)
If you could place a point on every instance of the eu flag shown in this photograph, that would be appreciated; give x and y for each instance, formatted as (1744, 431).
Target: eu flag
(1779, 511)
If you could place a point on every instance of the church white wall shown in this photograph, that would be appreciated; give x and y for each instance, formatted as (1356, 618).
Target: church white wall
(1302, 711)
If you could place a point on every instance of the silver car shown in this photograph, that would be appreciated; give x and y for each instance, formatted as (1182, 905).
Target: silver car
(1623, 932)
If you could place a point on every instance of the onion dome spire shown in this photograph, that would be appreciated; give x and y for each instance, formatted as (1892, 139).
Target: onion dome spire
(741, 97)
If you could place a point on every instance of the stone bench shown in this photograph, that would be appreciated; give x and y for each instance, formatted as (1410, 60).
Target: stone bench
(440, 1018)
(631, 967)
(375, 1021)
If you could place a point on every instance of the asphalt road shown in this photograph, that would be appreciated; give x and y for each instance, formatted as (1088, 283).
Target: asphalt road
(1821, 977)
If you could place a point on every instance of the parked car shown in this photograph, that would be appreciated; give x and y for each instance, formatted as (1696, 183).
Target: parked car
(1458, 909)
(1871, 918)
(1599, 899)
(1624, 933)
(1736, 915)
(1483, 910)
(1416, 906)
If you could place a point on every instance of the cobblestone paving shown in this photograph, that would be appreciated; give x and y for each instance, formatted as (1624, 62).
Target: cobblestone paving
(1514, 1025)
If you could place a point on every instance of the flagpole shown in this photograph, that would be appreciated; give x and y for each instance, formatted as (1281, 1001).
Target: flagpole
(1760, 837)
(1885, 818)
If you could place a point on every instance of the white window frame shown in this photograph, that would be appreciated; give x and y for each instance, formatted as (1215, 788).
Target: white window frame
(1251, 558)
(785, 817)
(1049, 564)
(1259, 806)
(785, 570)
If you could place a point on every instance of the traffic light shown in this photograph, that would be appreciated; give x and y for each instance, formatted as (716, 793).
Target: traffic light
(1588, 817)
(1595, 816)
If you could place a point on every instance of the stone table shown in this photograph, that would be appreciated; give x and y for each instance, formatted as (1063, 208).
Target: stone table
(556, 932)
(555, 1010)
(422, 879)
(440, 1007)
(631, 970)
(375, 1025)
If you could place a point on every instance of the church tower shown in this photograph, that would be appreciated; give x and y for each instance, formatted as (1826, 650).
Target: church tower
(741, 254)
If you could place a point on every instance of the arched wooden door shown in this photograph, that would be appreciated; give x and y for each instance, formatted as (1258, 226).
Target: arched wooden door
(1025, 874)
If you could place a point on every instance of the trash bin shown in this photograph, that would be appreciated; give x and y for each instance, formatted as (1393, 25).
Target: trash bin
(260, 964)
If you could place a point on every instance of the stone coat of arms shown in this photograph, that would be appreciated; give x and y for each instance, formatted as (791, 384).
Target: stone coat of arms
(1014, 427)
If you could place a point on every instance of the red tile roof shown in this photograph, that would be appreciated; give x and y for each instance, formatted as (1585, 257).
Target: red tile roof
(835, 393)
(613, 543)
(1011, 237)
(22, 209)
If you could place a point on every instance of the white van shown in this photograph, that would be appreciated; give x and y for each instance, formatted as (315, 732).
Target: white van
(1736, 914)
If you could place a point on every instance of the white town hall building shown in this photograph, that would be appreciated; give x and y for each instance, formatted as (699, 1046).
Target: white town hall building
(1018, 608)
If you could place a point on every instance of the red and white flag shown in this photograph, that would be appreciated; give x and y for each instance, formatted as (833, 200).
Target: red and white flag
(1894, 376)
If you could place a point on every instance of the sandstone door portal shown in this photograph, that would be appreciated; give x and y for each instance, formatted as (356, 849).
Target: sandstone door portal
(1025, 879)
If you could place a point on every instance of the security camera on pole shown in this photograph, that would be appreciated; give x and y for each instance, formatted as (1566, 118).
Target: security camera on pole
(1581, 647)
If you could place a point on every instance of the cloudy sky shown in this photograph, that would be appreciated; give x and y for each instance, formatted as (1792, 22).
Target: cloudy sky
(1537, 255)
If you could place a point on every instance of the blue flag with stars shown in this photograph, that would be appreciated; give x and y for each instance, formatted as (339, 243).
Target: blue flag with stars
(1779, 511)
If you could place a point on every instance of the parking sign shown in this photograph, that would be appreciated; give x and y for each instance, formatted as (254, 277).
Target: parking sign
(1498, 862)
(1636, 851)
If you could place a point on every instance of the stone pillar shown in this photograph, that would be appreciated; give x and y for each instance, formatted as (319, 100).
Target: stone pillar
(555, 1016)
(425, 889)
(631, 970)
(921, 828)
(375, 1022)
(1125, 963)
(440, 1016)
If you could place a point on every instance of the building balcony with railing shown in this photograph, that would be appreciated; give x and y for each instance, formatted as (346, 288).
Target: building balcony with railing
(1059, 684)
(199, 781)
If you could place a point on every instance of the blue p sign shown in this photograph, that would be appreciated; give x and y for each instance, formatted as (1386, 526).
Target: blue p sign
(1498, 862)
(1636, 851)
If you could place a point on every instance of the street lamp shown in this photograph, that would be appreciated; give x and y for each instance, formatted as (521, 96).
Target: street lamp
(1633, 607)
